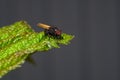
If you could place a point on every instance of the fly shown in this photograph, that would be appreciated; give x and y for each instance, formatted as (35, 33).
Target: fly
(51, 31)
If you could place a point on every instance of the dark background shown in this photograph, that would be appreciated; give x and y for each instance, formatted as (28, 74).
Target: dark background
(93, 54)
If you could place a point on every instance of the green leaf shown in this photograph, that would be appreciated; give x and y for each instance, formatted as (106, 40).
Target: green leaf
(19, 40)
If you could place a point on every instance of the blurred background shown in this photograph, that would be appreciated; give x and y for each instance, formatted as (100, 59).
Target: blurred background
(92, 55)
